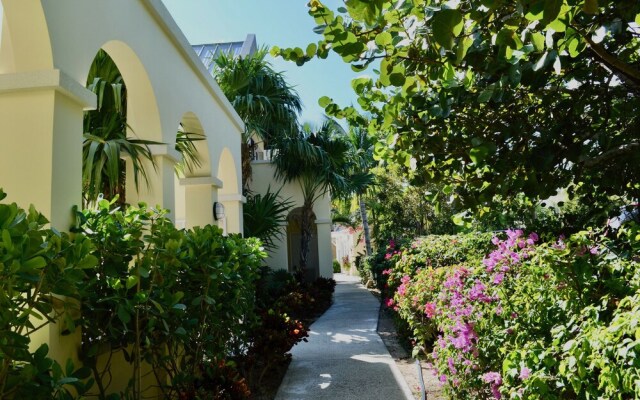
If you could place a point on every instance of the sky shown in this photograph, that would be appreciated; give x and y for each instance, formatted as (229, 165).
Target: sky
(282, 23)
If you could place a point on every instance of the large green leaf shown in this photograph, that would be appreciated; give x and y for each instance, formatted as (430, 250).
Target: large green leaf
(447, 23)
(366, 10)
(551, 10)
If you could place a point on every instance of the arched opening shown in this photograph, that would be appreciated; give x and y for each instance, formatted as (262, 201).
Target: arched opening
(294, 245)
(117, 159)
(26, 45)
(191, 143)
(193, 181)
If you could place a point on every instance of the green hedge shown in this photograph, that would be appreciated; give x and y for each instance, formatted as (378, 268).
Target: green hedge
(169, 297)
(41, 271)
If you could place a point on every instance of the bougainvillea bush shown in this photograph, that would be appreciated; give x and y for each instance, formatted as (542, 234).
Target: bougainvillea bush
(537, 321)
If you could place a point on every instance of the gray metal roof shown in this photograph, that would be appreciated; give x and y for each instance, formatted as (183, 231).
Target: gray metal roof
(210, 51)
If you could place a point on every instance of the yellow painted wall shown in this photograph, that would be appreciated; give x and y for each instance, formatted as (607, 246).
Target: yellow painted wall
(262, 178)
(46, 49)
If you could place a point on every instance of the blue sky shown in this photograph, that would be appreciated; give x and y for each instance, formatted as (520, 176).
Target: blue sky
(283, 23)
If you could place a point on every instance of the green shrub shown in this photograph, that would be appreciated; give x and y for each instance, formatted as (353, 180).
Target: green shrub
(551, 321)
(336, 267)
(40, 271)
(285, 308)
(172, 298)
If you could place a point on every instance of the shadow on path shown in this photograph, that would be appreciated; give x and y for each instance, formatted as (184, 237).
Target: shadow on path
(344, 358)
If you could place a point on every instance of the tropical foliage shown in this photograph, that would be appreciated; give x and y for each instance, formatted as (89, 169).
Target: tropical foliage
(40, 270)
(529, 320)
(361, 156)
(106, 136)
(166, 297)
(267, 104)
(491, 98)
(318, 162)
(264, 215)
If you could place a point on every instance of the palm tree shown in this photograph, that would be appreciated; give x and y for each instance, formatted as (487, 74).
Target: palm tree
(361, 155)
(264, 100)
(318, 162)
(106, 140)
(105, 136)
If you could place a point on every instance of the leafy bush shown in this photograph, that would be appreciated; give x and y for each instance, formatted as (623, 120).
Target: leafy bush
(285, 308)
(167, 297)
(40, 271)
(551, 321)
(218, 381)
(336, 267)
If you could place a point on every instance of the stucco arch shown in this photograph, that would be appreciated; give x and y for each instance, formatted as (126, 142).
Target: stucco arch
(194, 189)
(142, 108)
(227, 172)
(24, 33)
(191, 123)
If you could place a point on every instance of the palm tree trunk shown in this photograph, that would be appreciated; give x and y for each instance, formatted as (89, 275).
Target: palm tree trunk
(246, 149)
(305, 237)
(365, 225)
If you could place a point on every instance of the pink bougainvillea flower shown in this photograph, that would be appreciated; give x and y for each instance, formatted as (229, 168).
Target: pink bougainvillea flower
(495, 380)
(390, 302)
(430, 310)
(452, 367)
(386, 271)
(525, 373)
(388, 256)
(492, 377)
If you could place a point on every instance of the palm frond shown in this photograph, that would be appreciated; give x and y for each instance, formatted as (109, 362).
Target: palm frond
(185, 145)
(264, 216)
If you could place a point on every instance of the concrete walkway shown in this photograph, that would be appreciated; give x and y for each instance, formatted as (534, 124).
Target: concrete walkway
(344, 358)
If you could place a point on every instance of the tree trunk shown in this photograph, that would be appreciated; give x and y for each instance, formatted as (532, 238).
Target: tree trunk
(305, 237)
(246, 151)
(365, 225)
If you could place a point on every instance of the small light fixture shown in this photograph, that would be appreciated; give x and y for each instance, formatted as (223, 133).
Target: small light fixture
(218, 211)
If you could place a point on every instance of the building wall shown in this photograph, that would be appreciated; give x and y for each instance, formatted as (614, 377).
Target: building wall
(262, 178)
(46, 49)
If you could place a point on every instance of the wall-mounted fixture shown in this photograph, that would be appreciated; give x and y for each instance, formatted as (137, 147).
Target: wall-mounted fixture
(218, 211)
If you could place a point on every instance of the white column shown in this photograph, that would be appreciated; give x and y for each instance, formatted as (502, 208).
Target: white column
(325, 262)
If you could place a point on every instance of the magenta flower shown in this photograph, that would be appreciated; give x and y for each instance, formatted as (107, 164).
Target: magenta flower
(492, 377)
(495, 379)
(430, 309)
(452, 367)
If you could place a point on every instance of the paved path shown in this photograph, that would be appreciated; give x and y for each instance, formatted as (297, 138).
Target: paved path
(344, 358)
